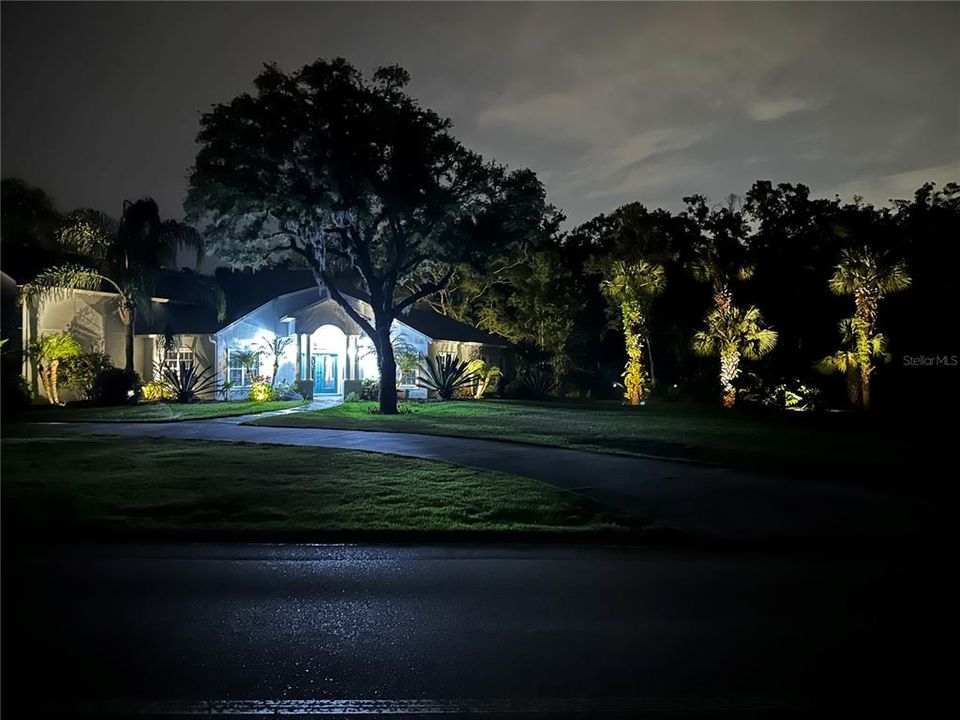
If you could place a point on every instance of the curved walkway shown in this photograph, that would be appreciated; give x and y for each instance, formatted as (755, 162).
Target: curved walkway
(692, 498)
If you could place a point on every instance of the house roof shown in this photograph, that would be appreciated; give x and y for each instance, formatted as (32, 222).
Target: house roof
(178, 318)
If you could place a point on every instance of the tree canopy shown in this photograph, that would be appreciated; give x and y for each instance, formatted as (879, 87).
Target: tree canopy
(354, 178)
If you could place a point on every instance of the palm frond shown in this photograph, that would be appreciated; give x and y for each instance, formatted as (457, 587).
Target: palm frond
(58, 282)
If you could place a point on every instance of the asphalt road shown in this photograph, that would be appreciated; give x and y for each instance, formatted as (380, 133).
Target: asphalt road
(505, 631)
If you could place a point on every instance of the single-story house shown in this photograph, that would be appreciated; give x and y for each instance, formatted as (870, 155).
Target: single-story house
(326, 345)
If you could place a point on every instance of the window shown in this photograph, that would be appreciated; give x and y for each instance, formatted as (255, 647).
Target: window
(408, 378)
(179, 361)
(239, 374)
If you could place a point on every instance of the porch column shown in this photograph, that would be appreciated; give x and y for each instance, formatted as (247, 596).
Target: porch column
(299, 358)
(309, 351)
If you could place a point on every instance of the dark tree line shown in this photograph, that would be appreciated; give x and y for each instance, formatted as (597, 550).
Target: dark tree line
(775, 249)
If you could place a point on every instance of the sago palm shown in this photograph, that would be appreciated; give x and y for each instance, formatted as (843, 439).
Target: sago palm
(629, 287)
(733, 335)
(868, 275)
(125, 256)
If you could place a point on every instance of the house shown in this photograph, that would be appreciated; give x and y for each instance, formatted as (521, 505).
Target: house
(326, 345)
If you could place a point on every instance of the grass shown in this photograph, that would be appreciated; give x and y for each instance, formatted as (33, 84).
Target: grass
(863, 450)
(150, 411)
(93, 487)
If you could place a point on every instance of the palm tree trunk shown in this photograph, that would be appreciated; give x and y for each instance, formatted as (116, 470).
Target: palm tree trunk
(729, 369)
(127, 317)
(853, 388)
(722, 295)
(633, 373)
(44, 374)
(54, 365)
(865, 386)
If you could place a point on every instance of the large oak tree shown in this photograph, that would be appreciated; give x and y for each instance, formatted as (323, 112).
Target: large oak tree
(355, 179)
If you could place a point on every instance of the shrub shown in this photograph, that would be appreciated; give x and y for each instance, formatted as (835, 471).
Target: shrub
(284, 391)
(369, 389)
(116, 386)
(14, 391)
(156, 391)
(260, 392)
(536, 382)
(79, 373)
(352, 397)
(189, 384)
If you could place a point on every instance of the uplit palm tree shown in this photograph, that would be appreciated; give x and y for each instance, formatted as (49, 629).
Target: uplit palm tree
(249, 360)
(869, 275)
(720, 249)
(846, 361)
(46, 353)
(124, 256)
(733, 335)
(630, 287)
(485, 374)
(275, 349)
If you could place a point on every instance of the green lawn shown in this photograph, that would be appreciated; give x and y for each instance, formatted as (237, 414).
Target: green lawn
(861, 449)
(150, 411)
(92, 487)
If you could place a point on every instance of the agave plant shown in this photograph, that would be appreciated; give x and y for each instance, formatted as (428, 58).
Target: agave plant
(189, 384)
(445, 375)
(537, 382)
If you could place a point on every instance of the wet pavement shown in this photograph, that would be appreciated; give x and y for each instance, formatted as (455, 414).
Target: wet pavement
(512, 631)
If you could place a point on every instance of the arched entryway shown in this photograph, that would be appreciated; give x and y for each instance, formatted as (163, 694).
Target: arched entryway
(326, 359)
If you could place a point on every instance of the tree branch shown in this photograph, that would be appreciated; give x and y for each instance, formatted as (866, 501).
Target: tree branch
(428, 289)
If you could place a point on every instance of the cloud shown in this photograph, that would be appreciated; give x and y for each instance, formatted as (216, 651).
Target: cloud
(896, 186)
(765, 109)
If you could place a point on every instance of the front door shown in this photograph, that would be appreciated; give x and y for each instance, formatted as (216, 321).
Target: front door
(324, 373)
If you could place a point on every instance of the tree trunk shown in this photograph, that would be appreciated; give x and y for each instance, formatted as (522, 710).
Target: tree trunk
(44, 374)
(722, 295)
(276, 369)
(127, 318)
(865, 387)
(388, 372)
(54, 365)
(853, 387)
(633, 373)
(729, 369)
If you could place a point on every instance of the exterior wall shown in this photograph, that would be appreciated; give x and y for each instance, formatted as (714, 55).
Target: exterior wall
(91, 318)
(310, 321)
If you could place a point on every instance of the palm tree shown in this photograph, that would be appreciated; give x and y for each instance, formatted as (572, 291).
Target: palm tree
(275, 349)
(846, 361)
(629, 287)
(720, 248)
(46, 353)
(869, 275)
(734, 335)
(485, 374)
(124, 256)
(249, 360)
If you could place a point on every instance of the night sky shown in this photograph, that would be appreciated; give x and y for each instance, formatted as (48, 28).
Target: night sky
(608, 103)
